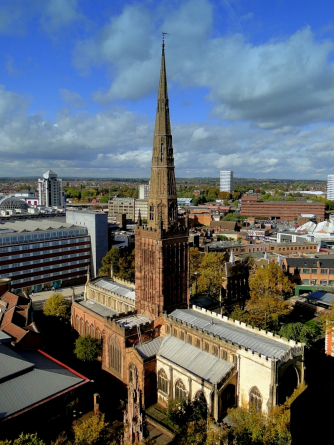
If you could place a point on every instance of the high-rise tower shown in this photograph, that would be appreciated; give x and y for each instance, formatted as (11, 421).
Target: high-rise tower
(162, 250)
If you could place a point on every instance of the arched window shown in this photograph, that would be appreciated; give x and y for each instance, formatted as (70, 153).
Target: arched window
(151, 212)
(77, 323)
(82, 327)
(98, 334)
(87, 328)
(132, 372)
(115, 356)
(92, 331)
(255, 398)
(180, 390)
(189, 339)
(163, 381)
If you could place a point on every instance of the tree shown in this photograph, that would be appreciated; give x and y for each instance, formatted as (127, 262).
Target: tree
(24, 439)
(300, 332)
(93, 431)
(210, 280)
(195, 259)
(87, 348)
(253, 427)
(57, 306)
(269, 288)
(111, 258)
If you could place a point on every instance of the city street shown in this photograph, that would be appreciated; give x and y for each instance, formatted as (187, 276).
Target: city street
(38, 298)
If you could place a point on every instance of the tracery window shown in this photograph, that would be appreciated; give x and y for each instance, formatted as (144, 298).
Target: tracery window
(163, 381)
(98, 334)
(115, 355)
(215, 351)
(87, 328)
(255, 398)
(92, 331)
(77, 323)
(151, 212)
(82, 327)
(180, 390)
(182, 335)
(189, 339)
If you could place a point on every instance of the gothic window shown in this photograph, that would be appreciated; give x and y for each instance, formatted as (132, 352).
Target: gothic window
(182, 335)
(98, 334)
(114, 354)
(189, 339)
(162, 151)
(215, 350)
(87, 328)
(171, 212)
(224, 355)
(92, 331)
(151, 212)
(132, 372)
(255, 399)
(82, 327)
(162, 381)
(206, 347)
(167, 329)
(77, 323)
(175, 332)
(198, 343)
(180, 390)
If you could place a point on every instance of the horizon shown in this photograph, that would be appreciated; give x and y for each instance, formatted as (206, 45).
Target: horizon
(251, 87)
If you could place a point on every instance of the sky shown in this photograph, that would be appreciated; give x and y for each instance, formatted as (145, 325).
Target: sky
(250, 82)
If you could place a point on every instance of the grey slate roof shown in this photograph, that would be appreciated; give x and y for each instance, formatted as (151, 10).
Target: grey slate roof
(134, 320)
(119, 289)
(39, 378)
(200, 363)
(98, 308)
(310, 262)
(150, 348)
(267, 346)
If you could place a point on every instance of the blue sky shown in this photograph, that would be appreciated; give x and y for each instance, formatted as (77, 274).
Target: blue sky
(251, 86)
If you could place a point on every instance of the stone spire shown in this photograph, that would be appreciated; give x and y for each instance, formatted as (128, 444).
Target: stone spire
(162, 202)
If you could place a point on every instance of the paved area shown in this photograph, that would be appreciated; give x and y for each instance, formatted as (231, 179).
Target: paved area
(159, 436)
(38, 298)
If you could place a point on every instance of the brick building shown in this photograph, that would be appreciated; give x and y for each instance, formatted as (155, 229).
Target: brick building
(286, 210)
(313, 271)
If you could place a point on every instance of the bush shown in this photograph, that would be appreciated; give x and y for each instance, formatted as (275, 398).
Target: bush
(87, 348)
(57, 306)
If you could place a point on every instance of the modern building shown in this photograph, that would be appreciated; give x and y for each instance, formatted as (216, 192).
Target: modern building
(118, 206)
(97, 226)
(179, 352)
(50, 190)
(285, 210)
(314, 271)
(144, 191)
(330, 187)
(226, 181)
(38, 254)
(141, 206)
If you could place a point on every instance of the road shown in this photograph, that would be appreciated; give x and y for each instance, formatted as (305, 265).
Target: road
(39, 297)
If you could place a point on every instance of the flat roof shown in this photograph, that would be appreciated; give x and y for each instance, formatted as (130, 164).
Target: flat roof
(117, 288)
(33, 225)
(98, 308)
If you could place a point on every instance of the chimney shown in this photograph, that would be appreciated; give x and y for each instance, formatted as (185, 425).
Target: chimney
(96, 404)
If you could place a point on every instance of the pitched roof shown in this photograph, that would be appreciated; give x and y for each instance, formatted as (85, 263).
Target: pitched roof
(310, 262)
(204, 365)
(228, 330)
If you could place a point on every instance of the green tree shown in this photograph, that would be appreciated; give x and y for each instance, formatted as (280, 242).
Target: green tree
(253, 427)
(269, 288)
(111, 258)
(300, 332)
(210, 280)
(57, 306)
(195, 259)
(24, 439)
(87, 348)
(93, 431)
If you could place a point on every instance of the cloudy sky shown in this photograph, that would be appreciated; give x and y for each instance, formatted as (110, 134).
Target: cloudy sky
(251, 86)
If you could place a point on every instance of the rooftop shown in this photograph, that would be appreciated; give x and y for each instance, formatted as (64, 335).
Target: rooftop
(32, 225)
(240, 334)
(117, 288)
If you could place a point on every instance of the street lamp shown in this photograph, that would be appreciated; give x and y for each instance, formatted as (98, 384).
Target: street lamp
(196, 274)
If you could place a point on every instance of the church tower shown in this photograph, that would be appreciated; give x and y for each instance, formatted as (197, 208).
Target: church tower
(162, 249)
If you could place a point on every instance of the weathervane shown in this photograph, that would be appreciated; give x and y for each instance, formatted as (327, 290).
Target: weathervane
(163, 37)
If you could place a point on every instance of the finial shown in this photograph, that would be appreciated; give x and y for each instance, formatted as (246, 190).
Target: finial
(163, 38)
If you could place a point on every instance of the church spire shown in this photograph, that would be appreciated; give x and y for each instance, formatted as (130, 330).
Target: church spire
(162, 204)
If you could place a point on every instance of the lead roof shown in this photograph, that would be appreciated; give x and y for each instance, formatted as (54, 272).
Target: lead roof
(241, 336)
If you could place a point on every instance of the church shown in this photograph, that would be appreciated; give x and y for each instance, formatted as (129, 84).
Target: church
(150, 331)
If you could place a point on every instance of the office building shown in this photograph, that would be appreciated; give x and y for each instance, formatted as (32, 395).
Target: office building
(330, 187)
(50, 190)
(117, 206)
(226, 181)
(38, 254)
(97, 226)
(144, 191)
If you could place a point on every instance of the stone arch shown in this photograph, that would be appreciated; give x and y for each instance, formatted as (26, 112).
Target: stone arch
(115, 354)
(288, 383)
(227, 399)
(255, 398)
(98, 334)
(163, 382)
(180, 390)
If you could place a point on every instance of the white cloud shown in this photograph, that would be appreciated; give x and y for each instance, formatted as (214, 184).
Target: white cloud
(72, 98)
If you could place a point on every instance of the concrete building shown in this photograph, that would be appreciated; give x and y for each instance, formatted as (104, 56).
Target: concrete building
(50, 190)
(330, 187)
(226, 181)
(97, 226)
(118, 206)
(141, 205)
(38, 254)
(144, 191)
